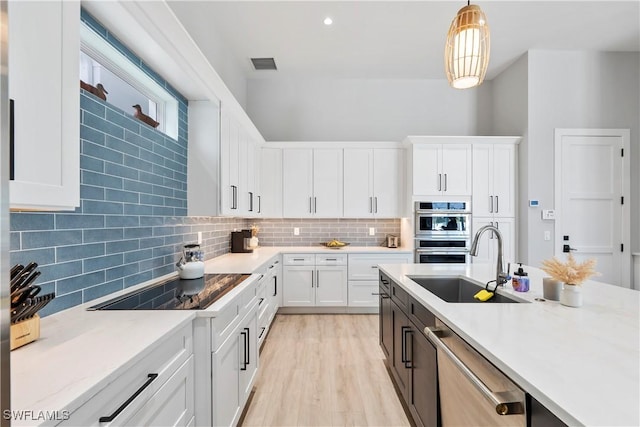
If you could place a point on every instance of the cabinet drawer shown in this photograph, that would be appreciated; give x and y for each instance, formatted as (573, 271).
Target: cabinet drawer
(400, 297)
(365, 267)
(299, 259)
(420, 315)
(361, 293)
(163, 360)
(338, 259)
(224, 323)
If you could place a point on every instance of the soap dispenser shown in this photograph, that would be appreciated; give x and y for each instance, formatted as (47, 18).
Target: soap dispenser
(520, 280)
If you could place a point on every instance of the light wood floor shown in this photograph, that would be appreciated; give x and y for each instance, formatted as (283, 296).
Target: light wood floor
(324, 370)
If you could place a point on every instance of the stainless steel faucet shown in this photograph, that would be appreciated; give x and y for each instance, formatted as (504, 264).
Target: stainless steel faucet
(501, 275)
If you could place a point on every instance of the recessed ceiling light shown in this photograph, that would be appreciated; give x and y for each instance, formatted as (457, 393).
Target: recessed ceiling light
(328, 21)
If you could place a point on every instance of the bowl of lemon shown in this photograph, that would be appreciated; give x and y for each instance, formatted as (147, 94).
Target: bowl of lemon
(335, 244)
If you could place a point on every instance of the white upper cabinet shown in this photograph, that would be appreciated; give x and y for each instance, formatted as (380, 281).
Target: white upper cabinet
(312, 183)
(372, 183)
(488, 245)
(494, 169)
(203, 159)
(44, 85)
(239, 162)
(270, 202)
(442, 169)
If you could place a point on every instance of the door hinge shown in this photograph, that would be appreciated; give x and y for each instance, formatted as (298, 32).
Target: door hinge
(622, 200)
(621, 247)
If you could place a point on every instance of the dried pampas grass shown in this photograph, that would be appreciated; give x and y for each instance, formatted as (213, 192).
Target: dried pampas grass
(570, 272)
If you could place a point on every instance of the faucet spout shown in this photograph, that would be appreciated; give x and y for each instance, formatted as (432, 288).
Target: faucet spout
(501, 275)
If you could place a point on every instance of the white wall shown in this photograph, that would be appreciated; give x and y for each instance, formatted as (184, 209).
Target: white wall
(350, 109)
(510, 117)
(570, 89)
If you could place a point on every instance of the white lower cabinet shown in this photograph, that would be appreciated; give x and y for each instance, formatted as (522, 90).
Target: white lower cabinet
(314, 280)
(157, 390)
(363, 276)
(488, 245)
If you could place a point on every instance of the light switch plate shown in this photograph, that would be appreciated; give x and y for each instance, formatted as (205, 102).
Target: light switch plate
(199, 237)
(547, 235)
(372, 231)
(548, 214)
(296, 231)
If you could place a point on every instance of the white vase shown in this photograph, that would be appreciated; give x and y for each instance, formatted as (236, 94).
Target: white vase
(253, 242)
(571, 295)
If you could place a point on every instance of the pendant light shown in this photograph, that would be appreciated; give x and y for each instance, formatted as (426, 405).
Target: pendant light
(466, 52)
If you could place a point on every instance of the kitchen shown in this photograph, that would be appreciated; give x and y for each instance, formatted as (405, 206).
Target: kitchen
(115, 240)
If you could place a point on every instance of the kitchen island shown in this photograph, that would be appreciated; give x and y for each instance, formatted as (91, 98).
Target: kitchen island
(583, 363)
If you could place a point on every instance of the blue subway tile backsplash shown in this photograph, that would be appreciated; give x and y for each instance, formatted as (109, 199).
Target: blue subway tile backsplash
(131, 224)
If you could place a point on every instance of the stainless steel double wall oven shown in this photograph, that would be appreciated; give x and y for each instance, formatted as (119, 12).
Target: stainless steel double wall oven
(442, 232)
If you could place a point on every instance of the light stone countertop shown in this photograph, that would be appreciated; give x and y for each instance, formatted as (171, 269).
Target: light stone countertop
(250, 262)
(583, 363)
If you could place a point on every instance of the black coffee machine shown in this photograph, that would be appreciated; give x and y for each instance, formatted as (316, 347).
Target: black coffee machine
(240, 241)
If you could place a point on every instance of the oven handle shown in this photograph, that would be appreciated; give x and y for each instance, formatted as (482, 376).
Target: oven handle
(504, 402)
(432, 212)
(442, 251)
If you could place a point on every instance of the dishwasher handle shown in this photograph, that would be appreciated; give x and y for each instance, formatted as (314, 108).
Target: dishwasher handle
(505, 402)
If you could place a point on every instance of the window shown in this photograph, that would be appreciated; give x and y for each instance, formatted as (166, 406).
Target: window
(125, 82)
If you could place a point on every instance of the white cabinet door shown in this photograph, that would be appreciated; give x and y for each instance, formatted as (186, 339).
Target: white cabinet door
(426, 170)
(507, 229)
(361, 293)
(483, 180)
(387, 182)
(494, 180)
(299, 286)
(248, 355)
(327, 183)
(229, 165)
(271, 182)
(488, 245)
(358, 183)
(331, 286)
(203, 177)
(172, 404)
(226, 387)
(456, 170)
(504, 180)
(44, 84)
(297, 185)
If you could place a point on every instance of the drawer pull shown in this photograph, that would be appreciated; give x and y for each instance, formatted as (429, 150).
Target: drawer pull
(331, 259)
(151, 378)
(261, 301)
(298, 259)
(374, 266)
(262, 332)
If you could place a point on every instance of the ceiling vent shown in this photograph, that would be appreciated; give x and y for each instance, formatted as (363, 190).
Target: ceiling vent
(264, 63)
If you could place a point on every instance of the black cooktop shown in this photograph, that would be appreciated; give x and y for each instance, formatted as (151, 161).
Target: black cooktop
(176, 294)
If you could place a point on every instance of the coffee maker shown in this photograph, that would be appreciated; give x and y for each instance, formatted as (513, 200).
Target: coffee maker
(240, 241)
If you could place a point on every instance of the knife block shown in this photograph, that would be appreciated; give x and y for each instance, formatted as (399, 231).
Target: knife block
(22, 333)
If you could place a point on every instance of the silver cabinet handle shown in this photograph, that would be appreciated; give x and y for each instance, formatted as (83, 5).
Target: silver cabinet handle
(310, 205)
(439, 182)
(375, 210)
(445, 182)
(374, 266)
(490, 204)
(312, 278)
(317, 278)
(315, 205)
(497, 206)
(250, 201)
(370, 204)
(259, 204)
(504, 402)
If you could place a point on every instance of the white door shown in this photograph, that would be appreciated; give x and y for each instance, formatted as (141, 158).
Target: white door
(592, 178)
(297, 183)
(387, 182)
(299, 286)
(327, 183)
(331, 286)
(358, 183)
(426, 170)
(456, 169)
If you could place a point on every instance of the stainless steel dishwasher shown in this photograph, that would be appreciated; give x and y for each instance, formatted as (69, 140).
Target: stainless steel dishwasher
(472, 391)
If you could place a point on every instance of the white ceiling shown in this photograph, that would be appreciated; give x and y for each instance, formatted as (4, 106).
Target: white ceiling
(398, 39)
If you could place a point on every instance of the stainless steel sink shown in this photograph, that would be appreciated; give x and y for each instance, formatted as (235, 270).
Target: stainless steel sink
(457, 289)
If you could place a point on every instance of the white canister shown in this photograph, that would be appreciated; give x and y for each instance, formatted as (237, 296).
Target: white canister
(571, 295)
